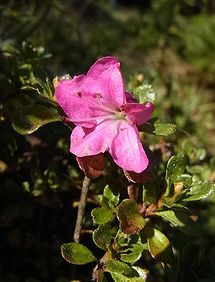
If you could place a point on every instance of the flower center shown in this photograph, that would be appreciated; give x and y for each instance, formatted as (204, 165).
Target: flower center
(120, 116)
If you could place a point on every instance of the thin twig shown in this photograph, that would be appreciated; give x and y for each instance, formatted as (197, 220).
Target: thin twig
(81, 208)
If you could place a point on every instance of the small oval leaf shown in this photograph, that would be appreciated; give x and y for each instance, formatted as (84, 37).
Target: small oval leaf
(155, 127)
(77, 253)
(164, 129)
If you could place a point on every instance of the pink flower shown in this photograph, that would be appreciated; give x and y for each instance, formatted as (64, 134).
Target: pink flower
(106, 117)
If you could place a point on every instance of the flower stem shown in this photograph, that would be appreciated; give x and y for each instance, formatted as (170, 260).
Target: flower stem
(81, 208)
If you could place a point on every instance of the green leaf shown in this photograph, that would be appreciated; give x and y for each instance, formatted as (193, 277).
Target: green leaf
(132, 254)
(131, 221)
(155, 127)
(102, 215)
(164, 129)
(117, 266)
(145, 93)
(76, 253)
(186, 179)
(142, 276)
(200, 191)
(102, 237)
(159, 245)
(109, 198)
(29, 118)
(181, 219)
(175, 167)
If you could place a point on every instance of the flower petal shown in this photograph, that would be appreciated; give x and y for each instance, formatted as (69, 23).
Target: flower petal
(78, 98)
(107, 73)
(92, 141)
(130, 98)
(138, 113)
(127, 150)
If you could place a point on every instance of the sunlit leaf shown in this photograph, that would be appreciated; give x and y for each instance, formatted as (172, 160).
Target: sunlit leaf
(145, 93)
(76, 253)
(155, 127)
(117, 266)
(102, 236)
(102, 215)
(164, 129)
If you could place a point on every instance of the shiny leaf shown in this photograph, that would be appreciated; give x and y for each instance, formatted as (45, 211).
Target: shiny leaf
(200, 191)
(175, 167)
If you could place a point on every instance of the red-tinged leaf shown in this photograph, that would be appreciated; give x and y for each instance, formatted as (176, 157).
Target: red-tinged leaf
(92, 166)
(145, 176)
(131, 221)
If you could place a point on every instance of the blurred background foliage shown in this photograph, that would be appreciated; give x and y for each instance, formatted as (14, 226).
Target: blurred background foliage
(170, 43)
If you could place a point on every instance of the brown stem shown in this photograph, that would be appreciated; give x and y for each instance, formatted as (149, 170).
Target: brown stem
(81, 208)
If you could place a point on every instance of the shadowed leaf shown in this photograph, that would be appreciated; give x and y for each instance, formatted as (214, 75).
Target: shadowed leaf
(29, 118)
(180, 219)
(159, 245)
